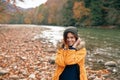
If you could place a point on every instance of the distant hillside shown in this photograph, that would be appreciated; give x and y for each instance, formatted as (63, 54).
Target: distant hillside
(10, 7)
(64, 12)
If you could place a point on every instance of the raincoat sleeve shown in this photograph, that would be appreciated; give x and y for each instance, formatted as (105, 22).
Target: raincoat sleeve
(75, 56)
(60, 58)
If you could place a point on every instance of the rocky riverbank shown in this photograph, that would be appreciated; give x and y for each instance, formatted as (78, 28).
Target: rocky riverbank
(23, 56)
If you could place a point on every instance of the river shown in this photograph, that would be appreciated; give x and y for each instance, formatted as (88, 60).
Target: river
(102, 46)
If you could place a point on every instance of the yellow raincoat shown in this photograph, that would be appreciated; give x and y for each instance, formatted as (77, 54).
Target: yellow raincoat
(68, 57)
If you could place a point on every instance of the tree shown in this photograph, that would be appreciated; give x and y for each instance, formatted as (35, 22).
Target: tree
(52, 10)
(2, 6)
(4, 16)
(43, 10)
(87, 3)
(80, 13)
(97, 12)
(68, 19)
(112, 9)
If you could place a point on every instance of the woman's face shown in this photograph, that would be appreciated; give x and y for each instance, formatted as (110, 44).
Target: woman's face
(70, 39)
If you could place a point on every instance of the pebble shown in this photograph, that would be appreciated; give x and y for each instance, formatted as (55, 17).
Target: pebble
(111, 64)
(3, 72)
(14, 77)
(97, 78)
(91, 77)
(32, 76)
(52, 60)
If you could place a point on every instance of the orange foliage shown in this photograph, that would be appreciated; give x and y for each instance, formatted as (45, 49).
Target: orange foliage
(27, 21)
(52, 13)
(40, 17)
(104, 71)
(54, 8)
(8, 0)
(79, 10)
(4, 17)
(1, 8)
(50, 20)
(98, 73)
(29, 16)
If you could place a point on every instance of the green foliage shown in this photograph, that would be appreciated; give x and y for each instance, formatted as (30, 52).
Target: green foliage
(2, 7)
(68, 13)
(100, 13)
(112, 9)
(17, 19)
(44, 11)
(96, 13)
(78, 0)
(87, 3)
(116, 4)
(104, 12)
(82, 22)
(112, 17)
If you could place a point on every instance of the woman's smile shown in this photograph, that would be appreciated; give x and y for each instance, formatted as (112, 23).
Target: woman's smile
(70, 39)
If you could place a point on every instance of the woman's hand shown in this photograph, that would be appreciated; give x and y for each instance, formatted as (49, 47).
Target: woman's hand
(77, 43)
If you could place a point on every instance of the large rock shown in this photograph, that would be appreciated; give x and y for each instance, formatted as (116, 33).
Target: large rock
(52, 60)
(32, 76)
(14, 77)
(111, 64)
(3, 72)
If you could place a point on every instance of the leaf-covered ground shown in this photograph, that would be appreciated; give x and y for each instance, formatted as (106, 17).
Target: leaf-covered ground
(24, 57)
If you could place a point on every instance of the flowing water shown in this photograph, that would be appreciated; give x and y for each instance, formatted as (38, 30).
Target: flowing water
(102, 45)
(53, 34)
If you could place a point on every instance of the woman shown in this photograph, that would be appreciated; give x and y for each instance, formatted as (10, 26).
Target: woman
(70, 57)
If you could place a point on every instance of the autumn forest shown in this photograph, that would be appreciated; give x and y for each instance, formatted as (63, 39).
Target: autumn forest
(29, 37)
(82, 13)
